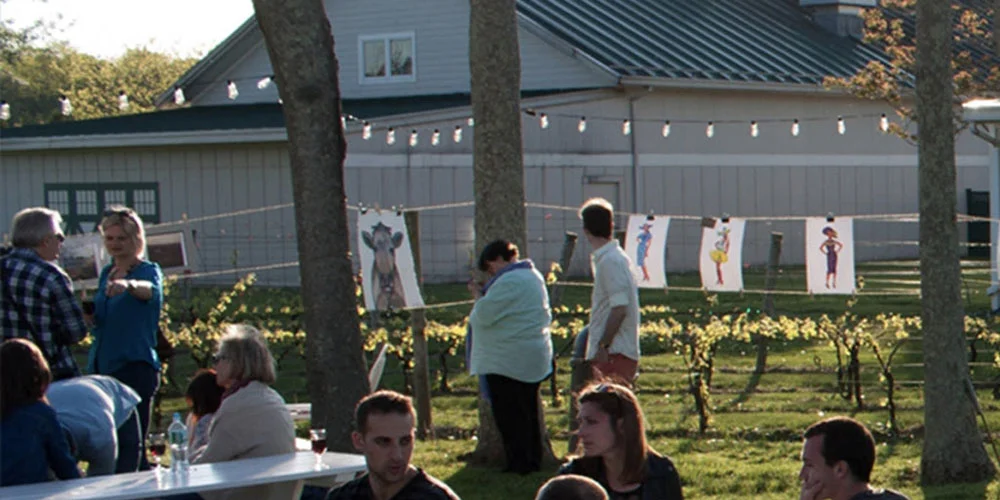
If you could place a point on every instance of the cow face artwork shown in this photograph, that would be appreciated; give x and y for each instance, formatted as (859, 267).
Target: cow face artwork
(387, 286)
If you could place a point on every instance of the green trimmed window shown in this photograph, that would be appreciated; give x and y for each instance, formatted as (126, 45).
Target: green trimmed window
(82, 204)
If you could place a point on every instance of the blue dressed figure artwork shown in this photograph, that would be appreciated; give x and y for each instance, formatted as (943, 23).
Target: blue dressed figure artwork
(720, 254)
(642, 250)
(831, 247)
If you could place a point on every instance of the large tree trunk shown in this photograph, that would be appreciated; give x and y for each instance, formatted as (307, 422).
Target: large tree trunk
(300, 44)
(498, 178)
(953, 447)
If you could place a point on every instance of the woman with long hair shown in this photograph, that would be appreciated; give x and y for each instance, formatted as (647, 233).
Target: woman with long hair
(31, 440)
(615, 452)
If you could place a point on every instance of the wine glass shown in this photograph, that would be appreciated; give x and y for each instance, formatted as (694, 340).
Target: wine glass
(157, 446)
(318, 437)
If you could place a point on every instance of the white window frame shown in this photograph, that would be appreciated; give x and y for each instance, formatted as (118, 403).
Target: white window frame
(388, 78)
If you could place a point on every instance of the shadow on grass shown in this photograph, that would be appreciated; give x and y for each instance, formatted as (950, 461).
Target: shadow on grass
(474, 482)
(976, 491)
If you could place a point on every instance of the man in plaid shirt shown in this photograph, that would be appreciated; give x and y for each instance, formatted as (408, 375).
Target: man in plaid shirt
(37, 301)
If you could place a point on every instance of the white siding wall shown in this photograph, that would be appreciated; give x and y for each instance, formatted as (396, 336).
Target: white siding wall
(861, 172)
(442, 55)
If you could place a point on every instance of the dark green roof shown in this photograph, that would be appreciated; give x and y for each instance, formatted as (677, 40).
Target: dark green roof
(737, 40)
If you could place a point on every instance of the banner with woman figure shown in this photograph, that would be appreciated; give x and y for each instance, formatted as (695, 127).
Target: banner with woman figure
(646, 246)
(830, 255)
(721, 257)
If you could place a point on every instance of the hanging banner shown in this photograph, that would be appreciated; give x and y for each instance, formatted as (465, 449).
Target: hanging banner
(721, 257)
(830, 255)
(389, 277)
(82, 256)
(646, 246)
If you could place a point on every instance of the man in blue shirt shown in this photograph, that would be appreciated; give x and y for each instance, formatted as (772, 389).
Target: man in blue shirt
(98, 414)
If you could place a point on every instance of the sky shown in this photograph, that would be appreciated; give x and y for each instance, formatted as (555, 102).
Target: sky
(105, 28)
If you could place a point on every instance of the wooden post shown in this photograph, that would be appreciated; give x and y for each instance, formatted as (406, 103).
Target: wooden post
(555, 298)
(421, 363)
(770, 282)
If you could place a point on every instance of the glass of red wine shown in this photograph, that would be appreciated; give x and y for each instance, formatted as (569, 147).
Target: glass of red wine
(157, 446)
(318, 437)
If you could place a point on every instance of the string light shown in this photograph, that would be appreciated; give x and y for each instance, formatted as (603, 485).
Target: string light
(179, 96)
(471, 122)
(343, 122)
(436, 137)
(231, 90)
(754, 129)
(710, 130)
(65, 107)
(543, 120)
(883, 124)
(582, 126)
(4, 111)
(265, 82)
(626, 127)
(366, 131)
(457, 134)
(841, 125)
(666, 129)
(795, 127)
(390, 136)
(413, 138)
(122, 101)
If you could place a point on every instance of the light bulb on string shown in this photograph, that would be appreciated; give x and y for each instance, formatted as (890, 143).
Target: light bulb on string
(436, 137)
(366, 131)
(4, 111)
(231, 91)
(754, 129)
(841, 125)
(582, 126)
(795, 127)
(265, 82)
(626, 127)
(666, 129)
(179, 96)
(343, 122)
(456, 136)
(710, 130)
(390, 136)
(122, 101)
(471, 122)
(543, 120)
(883, 123)
(65, 107)
(413, 138)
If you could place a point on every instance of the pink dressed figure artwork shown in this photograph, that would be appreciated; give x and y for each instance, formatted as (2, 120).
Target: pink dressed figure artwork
(831, 247)
(720, 254)
(642, 250)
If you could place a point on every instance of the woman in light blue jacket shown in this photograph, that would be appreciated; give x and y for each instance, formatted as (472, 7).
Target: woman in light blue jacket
(512, 349)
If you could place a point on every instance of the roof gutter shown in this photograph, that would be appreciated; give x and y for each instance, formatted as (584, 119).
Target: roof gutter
(702, 84)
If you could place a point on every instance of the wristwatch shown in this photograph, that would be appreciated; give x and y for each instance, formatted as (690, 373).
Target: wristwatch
(605, 345)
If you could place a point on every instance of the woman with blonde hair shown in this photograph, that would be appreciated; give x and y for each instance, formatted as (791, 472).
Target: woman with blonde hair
(252, 420)
(615, 453)
(127, 312)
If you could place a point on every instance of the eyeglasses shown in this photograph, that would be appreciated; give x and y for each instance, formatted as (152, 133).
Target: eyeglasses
(61, 237)
(218, 357)
(123, 212)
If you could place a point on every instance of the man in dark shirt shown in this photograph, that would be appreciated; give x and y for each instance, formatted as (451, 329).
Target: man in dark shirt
(37, 301)
(837, 460)
(384, 433)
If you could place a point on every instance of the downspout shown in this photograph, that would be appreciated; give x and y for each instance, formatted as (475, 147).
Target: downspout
(992, 136)
(634, 154)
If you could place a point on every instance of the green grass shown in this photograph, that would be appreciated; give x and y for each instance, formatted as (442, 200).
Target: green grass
(752, 449)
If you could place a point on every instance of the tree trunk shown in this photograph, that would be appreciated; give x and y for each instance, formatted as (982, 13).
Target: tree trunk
(300, 45)
(498, 162)
(953, 448)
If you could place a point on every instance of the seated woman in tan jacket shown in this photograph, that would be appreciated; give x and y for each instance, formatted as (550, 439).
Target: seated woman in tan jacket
(252, 420)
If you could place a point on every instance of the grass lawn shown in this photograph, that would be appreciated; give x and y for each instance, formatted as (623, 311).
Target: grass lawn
(752, 448)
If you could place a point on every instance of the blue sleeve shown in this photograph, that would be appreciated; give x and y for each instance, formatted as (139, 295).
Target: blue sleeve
(154, 276)
(57, 449)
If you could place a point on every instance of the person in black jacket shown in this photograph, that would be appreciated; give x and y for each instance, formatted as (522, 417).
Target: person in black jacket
(615, 453)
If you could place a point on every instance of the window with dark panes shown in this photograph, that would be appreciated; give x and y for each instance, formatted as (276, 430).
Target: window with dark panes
(387, 58)
(82, 204)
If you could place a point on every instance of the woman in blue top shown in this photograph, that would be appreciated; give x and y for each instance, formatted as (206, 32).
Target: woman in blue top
(512, 348)
(127, 312)
(31, 440)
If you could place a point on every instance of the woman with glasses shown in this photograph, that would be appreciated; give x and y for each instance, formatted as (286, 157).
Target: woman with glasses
(615, 453)
(252, 420)
(127, 312)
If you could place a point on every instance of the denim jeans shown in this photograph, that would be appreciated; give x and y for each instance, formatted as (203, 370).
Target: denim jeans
(145, 380)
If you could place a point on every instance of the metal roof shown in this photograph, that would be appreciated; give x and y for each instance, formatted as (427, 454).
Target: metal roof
(737, 40)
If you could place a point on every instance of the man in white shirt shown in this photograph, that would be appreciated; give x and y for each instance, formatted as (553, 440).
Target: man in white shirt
(613, 339)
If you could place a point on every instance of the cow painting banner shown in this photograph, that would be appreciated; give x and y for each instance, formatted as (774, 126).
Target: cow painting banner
(721, 256)
(646, 245)
(389, 279)
(830, 255)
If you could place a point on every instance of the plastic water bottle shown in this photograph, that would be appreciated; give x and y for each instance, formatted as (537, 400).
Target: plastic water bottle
(177, 435)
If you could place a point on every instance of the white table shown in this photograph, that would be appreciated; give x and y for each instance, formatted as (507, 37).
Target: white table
(299, 466)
